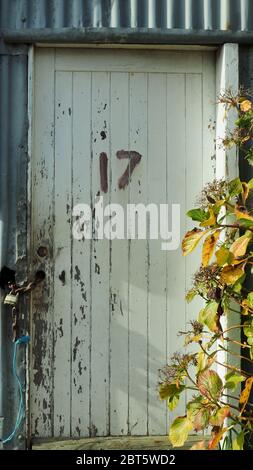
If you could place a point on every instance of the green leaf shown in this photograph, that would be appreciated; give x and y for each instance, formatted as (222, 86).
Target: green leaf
(248, 329)
(245, 223)
(250, 299)
(198, 414)
(179, 431)
(250, 340)
(198, 215)
(238, 442)
(171, 393)
(237, 287)
(235, 187)
(251, 352)
(173, 402)
(232, 380)
(210, 384)
(250, 183)
(249, 156)
(208, 316)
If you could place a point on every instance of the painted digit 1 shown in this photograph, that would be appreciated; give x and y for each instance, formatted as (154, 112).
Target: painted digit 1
(103, 163)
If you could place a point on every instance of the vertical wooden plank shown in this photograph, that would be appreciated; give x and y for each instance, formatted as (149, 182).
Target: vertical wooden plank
(81, 257)
(138, 263)
(100, 263)
(41, 387)
(194, 182)
(208, 116)
(157, 165)
(119, 260)
(176, 193)
(62, 257)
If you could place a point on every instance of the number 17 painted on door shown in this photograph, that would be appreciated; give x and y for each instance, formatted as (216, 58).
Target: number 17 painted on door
(134, 159)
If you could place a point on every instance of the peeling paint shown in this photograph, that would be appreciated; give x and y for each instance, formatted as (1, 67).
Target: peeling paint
(97, 268)
(77, 342)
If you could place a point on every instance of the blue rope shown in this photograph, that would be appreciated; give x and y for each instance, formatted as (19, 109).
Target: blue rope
(21, 408)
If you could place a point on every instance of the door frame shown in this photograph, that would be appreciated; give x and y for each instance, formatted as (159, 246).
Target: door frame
(227, 76)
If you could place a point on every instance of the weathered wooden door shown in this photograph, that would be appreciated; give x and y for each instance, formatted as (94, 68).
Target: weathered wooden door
(107, 317)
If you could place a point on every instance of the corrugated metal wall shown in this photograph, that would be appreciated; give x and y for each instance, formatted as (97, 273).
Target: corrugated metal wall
(23, 15)
(183, 14)
(13, 236)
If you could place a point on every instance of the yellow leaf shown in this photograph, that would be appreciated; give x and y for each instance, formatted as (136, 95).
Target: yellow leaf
(245, 106)
(239, 247)
(231, 274)
(243, 214)
(179, 431)
(211, 221)
(244, 397)
(245, 307)
(238, 442)
(201, 361)
(209, 246)
(191, 239)
(208, 316)
(223, 256)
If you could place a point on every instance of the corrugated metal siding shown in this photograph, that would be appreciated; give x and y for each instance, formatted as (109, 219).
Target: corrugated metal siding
(13, 236)
(236, 15)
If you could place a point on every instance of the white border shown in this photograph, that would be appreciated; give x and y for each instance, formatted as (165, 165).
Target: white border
(227, 166)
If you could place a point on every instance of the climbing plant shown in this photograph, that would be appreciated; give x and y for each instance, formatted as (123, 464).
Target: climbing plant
(219, 403)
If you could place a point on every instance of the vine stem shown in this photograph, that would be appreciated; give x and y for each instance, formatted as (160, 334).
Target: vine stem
(235, 354)
(237, 342)
(227, 366)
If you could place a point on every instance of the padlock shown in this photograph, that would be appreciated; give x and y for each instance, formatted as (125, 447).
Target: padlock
(11, 299)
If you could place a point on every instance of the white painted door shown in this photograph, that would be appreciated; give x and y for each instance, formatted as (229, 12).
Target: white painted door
(108, 314)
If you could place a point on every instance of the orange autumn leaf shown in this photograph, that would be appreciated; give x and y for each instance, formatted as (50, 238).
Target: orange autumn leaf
(217, 436)
(245, 106)
(191, 239)
(245, 191)
(239, 247)
(217, 419)
(240, 214)
(244, 397)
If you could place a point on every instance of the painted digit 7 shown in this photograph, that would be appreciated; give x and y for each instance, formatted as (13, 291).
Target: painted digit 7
(135, 158)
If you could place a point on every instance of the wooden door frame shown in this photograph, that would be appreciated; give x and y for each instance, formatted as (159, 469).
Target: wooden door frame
(227, 76)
